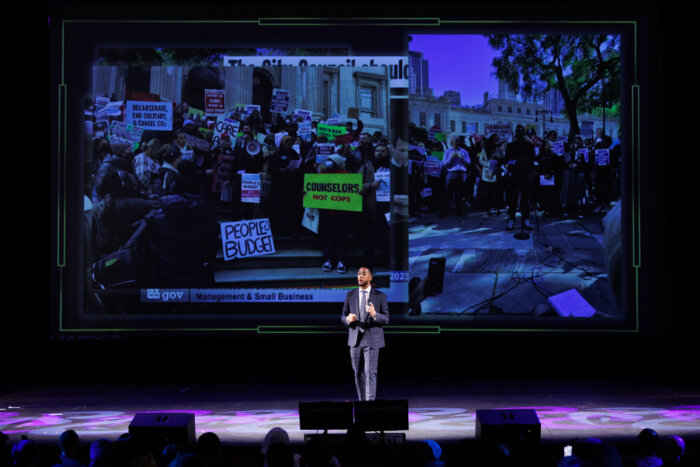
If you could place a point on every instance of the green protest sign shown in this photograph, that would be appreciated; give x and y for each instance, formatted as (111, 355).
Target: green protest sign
(330, 131)
(438, 154)
(333, 191)
(440, 137)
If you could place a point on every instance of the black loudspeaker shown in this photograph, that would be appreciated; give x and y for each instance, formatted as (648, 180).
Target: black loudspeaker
(436, 276)
(163, 428)
(508, 425)
(382, 415)
(325, 415)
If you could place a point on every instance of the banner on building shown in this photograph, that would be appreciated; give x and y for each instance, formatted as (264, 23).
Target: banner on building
(247, 238)
(333, 191)
(397, 67)
(150, 115)
(214, 101)
(280, 100)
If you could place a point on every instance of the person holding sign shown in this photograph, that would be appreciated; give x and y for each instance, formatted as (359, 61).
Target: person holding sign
(365, 311)
(333, 224)
(603, 174)
(549, 167)
(455, 166)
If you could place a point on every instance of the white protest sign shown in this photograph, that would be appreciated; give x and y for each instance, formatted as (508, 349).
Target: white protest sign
(323, 150)
(101, 102)
(125, 132)
(383, 190)
(247, 238)
(304, 114)
(583, 153)
(546, 180)
(280, 100)
(558, 148)
(150, 115)
(278, 137)
(250, 188)
(602, 156)
(431, 166)
(250, 108)
(310, 219)
(225, 125)
(304, 130)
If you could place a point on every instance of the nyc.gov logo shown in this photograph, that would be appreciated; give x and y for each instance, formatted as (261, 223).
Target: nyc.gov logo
(165, 295)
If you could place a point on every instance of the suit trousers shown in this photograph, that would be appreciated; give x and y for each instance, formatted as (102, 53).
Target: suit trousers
(365, 361)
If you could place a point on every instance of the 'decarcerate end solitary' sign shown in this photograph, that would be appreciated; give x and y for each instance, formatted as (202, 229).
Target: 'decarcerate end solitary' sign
(247, 238)
(333, 191)
(150, 115)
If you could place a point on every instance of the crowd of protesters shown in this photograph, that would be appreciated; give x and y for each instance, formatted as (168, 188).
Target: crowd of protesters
(127, 182)
(354, 449)
(524, 174)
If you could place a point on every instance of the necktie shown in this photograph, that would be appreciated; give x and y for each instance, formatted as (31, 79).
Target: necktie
(363, 308)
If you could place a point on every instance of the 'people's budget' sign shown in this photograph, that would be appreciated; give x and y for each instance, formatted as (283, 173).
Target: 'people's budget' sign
(247, 238)
(150, 115)
(333, 191)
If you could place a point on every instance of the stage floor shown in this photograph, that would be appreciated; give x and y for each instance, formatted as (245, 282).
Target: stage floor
(240, 413)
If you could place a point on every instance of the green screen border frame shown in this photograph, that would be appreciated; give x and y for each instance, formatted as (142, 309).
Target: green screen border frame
(291, 329)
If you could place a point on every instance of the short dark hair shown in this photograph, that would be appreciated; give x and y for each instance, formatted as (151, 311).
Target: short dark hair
(369, 268)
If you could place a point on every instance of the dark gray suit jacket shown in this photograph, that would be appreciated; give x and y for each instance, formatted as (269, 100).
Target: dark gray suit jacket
(374, 334)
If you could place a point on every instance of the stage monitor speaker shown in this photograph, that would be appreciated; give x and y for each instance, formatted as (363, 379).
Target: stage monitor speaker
(163, 428)
(436, 276)
(382, 415)
(325, 415)
(508, 425)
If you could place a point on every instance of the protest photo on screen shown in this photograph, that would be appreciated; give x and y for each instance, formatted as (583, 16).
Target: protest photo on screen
(516, 176)
(212, 185)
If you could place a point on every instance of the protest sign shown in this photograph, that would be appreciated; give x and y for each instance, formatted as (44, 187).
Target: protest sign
(304, 114)
(150, 115)
(200, 144)
(250, 188)
(225, 125)
(426, 192)
(310, 219)
(280, 100)
(323, 150)
(345, 139)
(333, 191)
(195, 115)
(249, 109)
(439, 155)
(558, 148)
(247, 238)
(440, 137)
(504, 131)
(214, 101)
(304, 130)
(124, 132)
(583, 153)
(432, 166)
(587, 128)
(602, 157)
(546, 180)
(101, 102)
(433, 131)
(330, 131)
(384, 188)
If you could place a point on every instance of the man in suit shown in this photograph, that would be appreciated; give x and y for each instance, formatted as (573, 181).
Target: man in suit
(365, 312)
